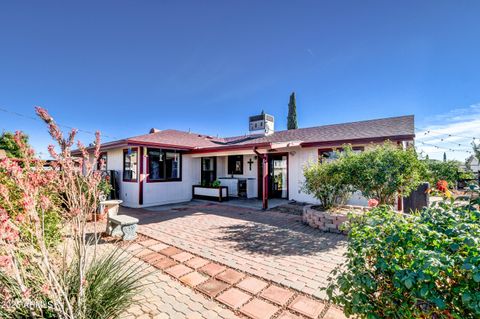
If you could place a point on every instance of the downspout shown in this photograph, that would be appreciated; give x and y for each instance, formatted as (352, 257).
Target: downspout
(264, 178)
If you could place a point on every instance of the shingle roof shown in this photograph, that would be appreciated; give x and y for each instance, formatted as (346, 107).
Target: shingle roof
(378, 128)
(386, 127)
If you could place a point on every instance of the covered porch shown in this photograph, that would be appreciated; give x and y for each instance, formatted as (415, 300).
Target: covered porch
(252, 176)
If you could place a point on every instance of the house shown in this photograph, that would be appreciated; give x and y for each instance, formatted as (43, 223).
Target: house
(162, 166)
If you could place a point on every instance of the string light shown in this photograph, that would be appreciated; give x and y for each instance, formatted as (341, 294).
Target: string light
(61, 125)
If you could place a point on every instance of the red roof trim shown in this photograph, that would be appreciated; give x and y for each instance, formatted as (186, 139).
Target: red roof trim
(161, 145)
(229, 148)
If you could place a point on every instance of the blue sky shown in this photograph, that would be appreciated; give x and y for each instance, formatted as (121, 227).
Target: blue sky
(125, 66)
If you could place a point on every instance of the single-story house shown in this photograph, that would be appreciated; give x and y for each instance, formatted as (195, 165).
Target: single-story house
(163, 166)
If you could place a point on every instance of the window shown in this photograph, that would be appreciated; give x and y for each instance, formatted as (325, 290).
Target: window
(235, 164)
(209, 170)
(163, 165)
(102, 161)
(130, 165)
(328, 155)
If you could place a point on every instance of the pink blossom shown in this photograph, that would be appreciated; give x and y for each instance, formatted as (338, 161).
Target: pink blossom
(26, 293)
(4, 192)
(20, 218)
(51, 150)
(28, 203)
(45, 289)
(372, 202)
(45, 202)
(5, 261)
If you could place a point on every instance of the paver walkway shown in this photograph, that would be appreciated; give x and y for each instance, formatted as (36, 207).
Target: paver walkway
(162, 297)
(245, 294)
(271, 245)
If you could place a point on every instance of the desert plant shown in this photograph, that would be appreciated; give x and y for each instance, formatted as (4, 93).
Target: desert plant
(383, 171)
(54, 282)
(411, 266)
(327, 182)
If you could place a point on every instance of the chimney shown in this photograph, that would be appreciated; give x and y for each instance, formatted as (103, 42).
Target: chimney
(261, 124)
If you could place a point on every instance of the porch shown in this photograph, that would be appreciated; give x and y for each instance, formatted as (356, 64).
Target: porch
(253, 179)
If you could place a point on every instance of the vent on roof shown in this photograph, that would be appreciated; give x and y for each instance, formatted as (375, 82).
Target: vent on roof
(154, 130)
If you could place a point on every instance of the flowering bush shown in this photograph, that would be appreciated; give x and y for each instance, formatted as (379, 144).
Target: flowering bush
(36, 280)
(16, 203)
(411, 266)
(372, 202)
(442, 185)
(439, 170)
(327, 182)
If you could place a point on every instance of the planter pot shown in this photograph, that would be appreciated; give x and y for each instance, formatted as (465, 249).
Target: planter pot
(219, 193)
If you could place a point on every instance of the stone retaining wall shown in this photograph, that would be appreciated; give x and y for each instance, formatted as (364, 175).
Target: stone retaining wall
(327, 221)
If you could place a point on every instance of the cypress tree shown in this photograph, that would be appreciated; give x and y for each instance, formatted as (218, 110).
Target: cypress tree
(444, 156)
(292, 113)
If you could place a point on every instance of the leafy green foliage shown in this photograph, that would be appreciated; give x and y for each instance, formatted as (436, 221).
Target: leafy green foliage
(7, 143)
(381, 171)
(447, 170)
(216, 183)
(411, 266)
(292, 113)
(327, 182)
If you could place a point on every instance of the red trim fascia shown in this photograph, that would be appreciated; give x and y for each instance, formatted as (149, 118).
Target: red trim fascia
(125, 150)
(228, 148)
(359, 141)
(160, 145)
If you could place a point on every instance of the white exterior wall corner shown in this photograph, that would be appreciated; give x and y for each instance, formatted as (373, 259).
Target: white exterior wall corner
(128, 190)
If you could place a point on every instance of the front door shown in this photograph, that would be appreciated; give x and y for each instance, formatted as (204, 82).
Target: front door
(278, 176)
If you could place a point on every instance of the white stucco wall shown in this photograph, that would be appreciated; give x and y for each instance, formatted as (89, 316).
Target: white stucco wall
(180, 191)
(297, 161)
(222, 169)
(176, 191)
(128, 190)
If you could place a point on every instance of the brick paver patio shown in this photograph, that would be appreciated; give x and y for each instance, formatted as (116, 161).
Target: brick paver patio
(273, 246)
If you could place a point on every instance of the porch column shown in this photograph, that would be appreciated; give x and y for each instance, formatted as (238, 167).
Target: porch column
(141, 158)
(265, 182)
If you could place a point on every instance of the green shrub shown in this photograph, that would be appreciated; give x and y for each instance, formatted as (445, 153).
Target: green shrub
(216, 183)
(439, 170)
(405, 266)
(381, 171)
(327, 182)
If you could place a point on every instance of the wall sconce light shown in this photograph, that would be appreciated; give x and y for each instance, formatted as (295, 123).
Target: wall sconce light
(293, 153)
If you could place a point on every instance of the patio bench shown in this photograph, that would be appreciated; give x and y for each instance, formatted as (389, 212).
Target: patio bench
(122, 225)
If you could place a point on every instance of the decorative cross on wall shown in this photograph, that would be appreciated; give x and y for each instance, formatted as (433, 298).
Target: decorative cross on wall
(250, 162)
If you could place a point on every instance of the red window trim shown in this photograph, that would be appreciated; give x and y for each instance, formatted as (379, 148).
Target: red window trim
(125, 150)
(164, 180)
